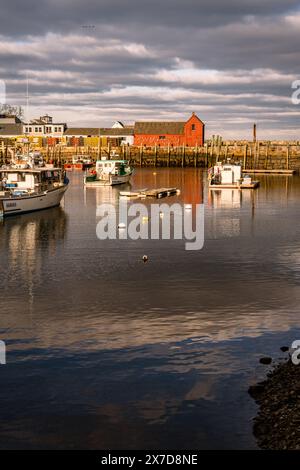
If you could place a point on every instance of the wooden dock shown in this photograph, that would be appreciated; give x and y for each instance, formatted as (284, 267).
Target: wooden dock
(261, 157)
(156, 193)
(160, 192)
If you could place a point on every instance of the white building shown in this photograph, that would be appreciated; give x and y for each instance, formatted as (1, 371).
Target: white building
(44, 127)
(118, 125)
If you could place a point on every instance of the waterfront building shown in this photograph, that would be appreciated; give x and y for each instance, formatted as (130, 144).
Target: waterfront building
(44, 127)
(119, 134)
(163, 133)
(116, 135)
(11, 127)
(43, 131)
(82, 136)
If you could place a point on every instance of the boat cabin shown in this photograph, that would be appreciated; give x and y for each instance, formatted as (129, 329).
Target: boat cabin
(111, 167)
(81, 159)
(228, 174)
(30, 180)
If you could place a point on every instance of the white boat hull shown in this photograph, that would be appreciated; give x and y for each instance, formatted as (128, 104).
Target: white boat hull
(23, 204)
(111, 181)
(252, 185)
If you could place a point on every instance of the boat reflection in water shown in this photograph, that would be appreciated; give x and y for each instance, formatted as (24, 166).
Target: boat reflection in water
(27, 240)
(232, 212)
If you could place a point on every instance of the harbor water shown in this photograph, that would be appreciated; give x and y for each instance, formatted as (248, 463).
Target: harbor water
(104, 351)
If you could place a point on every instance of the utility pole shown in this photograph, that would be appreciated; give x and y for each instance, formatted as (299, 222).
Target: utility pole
(254, 132)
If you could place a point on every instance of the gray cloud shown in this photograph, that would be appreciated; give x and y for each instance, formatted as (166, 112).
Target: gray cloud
(233, 62)
(30, 17)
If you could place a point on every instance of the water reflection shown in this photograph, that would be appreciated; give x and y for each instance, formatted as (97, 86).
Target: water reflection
(25, 241)
(28, 231)
(106, 351)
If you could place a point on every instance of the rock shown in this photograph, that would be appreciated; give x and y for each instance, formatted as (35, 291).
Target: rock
(265, 360)
(276, 425)
(255, 390)
(284, 348)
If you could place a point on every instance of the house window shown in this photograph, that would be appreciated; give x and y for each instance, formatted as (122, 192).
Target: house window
(40, 129)
(36, 129)
(55, 129)
(193, 127)
(30, 129)
(161, 137)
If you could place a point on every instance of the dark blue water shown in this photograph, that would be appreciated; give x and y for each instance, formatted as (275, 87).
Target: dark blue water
(105, 351)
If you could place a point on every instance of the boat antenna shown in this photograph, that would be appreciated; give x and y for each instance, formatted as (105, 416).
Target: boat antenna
(27, 104)
(27, 99)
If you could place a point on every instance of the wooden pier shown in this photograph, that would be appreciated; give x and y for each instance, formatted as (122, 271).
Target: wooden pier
(270, 172)
(156, 193)
(160, 192)
(255, 157)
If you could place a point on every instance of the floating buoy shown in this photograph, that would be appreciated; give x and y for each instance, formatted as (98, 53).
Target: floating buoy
(122, 225)
(145, 258)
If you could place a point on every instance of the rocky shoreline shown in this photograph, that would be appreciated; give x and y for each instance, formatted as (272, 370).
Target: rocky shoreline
(277, 425)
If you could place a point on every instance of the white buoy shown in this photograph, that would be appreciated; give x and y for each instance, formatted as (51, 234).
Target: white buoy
(145, 258)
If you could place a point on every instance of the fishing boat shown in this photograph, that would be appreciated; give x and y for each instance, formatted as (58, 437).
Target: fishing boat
(27, 187)
(108, 173)
(223, 176)
(23, 161)
(79, 162)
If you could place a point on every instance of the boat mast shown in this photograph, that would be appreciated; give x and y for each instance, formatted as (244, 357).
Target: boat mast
(27, 106)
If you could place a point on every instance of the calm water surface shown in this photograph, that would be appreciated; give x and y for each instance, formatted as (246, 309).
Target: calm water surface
(104, 351)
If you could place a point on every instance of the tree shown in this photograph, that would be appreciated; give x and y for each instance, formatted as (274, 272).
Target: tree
(9, 109)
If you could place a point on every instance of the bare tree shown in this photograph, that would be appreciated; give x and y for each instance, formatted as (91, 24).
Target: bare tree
(9, 109)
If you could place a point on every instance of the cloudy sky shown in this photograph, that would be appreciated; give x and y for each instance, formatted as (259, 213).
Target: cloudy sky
(90, 62)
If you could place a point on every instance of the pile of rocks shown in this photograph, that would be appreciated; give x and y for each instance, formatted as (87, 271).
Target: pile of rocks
(277, 425)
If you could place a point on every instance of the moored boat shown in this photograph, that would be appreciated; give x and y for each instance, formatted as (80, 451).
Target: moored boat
(109, 173)
(223, 176)
(79, 162)
(26, 187)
